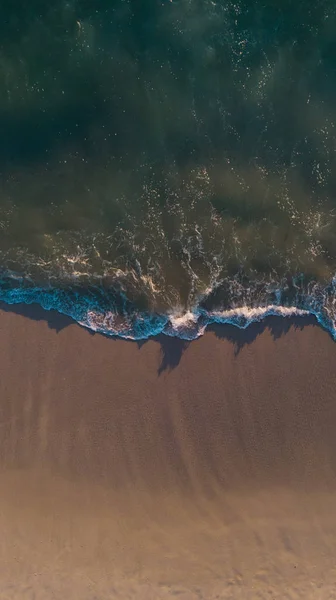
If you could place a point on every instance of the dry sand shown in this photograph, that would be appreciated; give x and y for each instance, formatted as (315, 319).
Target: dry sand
(166, 470)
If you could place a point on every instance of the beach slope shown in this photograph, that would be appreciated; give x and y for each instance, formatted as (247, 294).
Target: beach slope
(166, 469)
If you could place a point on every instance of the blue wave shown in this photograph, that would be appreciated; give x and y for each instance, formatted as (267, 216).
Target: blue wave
(129, 323)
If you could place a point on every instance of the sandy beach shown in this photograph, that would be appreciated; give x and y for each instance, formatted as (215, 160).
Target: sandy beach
(166, 469)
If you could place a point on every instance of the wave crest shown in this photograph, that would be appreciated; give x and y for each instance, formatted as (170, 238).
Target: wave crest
(125, 321)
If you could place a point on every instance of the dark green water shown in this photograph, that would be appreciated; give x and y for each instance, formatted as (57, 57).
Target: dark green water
(163, 157)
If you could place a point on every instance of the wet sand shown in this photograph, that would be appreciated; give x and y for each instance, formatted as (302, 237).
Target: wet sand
(166, 469)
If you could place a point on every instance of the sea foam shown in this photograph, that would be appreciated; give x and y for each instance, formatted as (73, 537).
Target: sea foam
(140, 325)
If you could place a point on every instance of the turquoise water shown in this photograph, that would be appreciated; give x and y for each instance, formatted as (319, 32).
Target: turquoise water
(166, 164)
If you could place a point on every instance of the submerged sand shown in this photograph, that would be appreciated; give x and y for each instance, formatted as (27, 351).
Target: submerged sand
(166, 469)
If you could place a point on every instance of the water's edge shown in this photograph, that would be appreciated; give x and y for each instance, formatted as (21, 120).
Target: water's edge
(143, 325)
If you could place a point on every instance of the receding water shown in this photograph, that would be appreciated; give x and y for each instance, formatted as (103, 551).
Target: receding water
(165, 164)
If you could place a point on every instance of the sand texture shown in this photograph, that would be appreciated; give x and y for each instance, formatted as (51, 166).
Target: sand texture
(166, 469)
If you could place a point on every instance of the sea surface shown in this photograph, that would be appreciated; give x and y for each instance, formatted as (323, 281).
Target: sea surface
(166, 164)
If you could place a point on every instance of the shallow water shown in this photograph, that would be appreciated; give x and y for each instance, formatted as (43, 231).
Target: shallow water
(169, 165)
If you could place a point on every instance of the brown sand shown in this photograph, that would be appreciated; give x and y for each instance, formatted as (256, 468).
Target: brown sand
(167, 470)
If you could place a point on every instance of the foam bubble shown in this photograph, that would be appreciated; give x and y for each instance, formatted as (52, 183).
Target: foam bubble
(129, 323)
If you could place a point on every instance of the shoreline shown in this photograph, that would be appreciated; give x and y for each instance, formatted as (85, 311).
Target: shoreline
(161, 468)
(277, 323)
(186, 324)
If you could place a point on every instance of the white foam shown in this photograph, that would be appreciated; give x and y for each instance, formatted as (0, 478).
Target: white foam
(183, 320)
(259, 312)
(190, 324)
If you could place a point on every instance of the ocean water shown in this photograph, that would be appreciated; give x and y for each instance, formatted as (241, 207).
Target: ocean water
(167, 164)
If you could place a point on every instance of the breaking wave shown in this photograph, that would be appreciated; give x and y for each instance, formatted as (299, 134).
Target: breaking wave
(119, 318)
